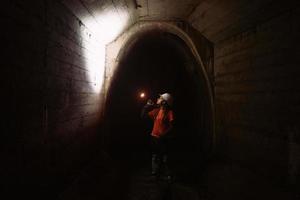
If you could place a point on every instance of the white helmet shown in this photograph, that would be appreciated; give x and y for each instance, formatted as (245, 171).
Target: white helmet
(168, 98)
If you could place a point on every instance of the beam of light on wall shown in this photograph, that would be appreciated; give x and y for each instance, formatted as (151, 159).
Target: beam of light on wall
(97, 32)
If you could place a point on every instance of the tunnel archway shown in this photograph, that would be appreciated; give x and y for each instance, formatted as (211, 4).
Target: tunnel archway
(157, 61)
(191, 84)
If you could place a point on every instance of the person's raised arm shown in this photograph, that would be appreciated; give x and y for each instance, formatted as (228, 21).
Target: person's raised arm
(147, 108)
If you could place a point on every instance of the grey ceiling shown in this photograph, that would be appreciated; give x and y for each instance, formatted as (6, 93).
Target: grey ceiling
(145, 9)
(215, 19)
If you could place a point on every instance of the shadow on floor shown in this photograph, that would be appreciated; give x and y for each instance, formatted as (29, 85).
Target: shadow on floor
(130, 179)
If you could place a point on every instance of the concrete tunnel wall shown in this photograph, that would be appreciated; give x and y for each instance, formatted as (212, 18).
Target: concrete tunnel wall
(52, 98)
(256, 83)
(54, 103)
(52, 112)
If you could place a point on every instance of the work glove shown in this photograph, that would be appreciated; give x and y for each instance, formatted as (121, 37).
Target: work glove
(150, 102)
(149, 106)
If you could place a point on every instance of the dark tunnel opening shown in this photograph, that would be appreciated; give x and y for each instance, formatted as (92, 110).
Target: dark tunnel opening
(73, 71)
(159, 62)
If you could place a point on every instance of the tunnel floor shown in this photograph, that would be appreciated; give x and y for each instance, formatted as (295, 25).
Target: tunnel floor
(132, 180)
(109, 180)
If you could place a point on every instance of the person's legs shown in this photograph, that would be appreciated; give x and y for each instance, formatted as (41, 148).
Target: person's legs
(155, 164)
(156, 154)
(165, 159)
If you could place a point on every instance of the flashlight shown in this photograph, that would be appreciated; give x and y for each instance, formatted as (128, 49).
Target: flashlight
(142, 95)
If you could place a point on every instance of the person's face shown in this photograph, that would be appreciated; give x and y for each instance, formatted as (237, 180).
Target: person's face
(159, 100)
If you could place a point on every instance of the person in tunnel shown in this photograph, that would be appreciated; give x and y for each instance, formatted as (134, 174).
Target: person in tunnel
(162, 116)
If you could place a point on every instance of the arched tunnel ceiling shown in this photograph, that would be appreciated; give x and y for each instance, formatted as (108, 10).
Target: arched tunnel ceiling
(166, 9)
(131, 11)
(147, 9)
(215, 19)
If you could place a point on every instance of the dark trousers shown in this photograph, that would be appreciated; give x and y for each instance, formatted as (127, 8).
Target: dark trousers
(159, 155)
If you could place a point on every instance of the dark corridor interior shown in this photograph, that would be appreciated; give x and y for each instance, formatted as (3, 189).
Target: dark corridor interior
(155, 65)
(72, 73)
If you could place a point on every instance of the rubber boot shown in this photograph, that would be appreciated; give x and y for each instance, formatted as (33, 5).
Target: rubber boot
(167, 172)
(154, 165)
